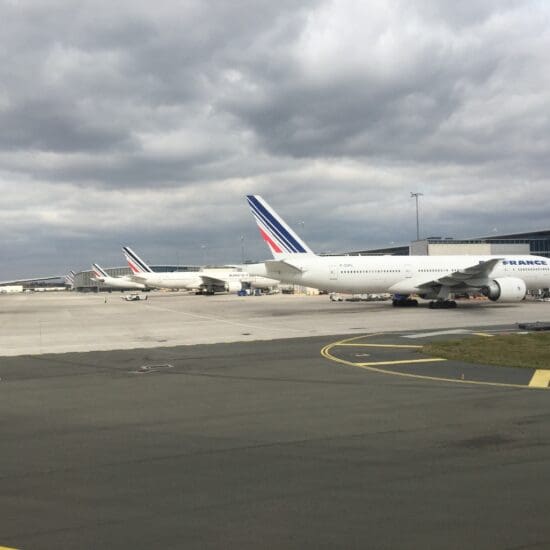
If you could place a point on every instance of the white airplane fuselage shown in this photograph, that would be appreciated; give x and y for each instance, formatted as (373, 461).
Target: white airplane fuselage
(177, 280)
(119, 282)
(252, 274)
(223, 279)
(397, 274)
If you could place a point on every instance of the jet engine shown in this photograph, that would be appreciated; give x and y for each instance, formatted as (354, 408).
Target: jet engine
(233, 286)
(505, 289)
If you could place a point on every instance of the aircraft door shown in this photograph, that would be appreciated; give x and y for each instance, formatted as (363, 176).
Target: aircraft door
(407, 268)
(333, 272)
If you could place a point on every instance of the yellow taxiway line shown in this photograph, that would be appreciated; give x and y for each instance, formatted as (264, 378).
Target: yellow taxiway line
(398, 346)
(374, 366)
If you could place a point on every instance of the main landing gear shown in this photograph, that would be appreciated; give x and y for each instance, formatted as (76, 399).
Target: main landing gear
(434, 304)
(207, 291)
(404, 302)
(442, 304)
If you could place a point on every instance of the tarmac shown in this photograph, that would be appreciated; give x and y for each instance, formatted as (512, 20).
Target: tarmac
(65, 322)
(287, 441)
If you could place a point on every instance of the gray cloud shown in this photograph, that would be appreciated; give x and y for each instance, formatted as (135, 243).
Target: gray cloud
(138, 123)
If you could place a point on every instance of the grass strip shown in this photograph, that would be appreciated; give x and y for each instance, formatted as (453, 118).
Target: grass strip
(507, 350)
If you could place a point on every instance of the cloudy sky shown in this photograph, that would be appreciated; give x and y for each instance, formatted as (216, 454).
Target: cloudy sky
(146, 123)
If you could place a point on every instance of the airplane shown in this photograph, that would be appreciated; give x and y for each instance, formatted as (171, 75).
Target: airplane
(207, 281)
(142, 273)
(435, 278)
(69, 279)
(125, 281)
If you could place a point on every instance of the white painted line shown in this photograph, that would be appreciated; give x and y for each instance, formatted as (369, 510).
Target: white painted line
(438, 333)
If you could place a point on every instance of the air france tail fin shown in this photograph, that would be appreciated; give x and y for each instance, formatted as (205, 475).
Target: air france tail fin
(137, 265)
(69, 279)
(280, 238)
(99, 272)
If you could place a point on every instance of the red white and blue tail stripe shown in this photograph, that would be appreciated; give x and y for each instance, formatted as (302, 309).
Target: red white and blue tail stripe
(280, 238)
(69, 278)
(99, 272)
(137, 265)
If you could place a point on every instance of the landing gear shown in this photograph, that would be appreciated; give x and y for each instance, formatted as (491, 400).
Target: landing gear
(442, 304)
(206, 291)
(404, 302)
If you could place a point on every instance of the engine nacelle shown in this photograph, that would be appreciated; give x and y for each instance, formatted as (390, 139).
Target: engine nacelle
(233, 286)
(506, 289)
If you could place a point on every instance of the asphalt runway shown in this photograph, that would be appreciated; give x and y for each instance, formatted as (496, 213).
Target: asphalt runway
(264, 444)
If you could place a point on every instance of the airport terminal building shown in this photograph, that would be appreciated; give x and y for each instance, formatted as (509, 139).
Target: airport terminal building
(535, 242)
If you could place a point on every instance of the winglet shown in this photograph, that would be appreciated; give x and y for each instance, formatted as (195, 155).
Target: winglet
(278, 235)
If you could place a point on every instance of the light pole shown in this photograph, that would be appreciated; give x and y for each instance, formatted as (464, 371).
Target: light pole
(416, 195)
(302, 224)
(242, 249)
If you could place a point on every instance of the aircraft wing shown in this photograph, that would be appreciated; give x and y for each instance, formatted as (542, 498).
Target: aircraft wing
(212, 281)
(281, 266)
(473, 276)
(137, 278)
(34, 280)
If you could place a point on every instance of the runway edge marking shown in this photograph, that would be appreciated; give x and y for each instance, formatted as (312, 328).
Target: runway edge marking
(325, 352)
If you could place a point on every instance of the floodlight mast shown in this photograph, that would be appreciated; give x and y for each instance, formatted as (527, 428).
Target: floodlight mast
(416, 195)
